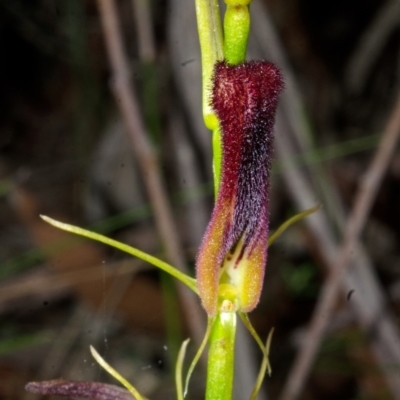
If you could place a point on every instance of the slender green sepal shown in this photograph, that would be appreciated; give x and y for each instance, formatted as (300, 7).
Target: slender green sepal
(245, 319)
(211, 45)
(236, 30)
(108, 368)
(221, 357)
(187, 280)
(296, 218)
(210, 324)
(179, 369)
(263, 368)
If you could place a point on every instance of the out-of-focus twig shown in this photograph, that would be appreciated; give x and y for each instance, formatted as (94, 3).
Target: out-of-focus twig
(371, 43)
(184, 55)
(143, 22)
(293, 137)
(126, 99)
(32, 284)
(357, 219)
(197, 214)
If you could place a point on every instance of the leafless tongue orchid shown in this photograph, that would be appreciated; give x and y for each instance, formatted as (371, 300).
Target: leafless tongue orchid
(232, 257)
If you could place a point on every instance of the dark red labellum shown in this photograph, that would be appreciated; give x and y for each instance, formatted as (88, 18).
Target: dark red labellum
(244, 97)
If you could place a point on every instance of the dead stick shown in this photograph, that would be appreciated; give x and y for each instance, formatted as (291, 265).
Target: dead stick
(127, 102)
(326, 301)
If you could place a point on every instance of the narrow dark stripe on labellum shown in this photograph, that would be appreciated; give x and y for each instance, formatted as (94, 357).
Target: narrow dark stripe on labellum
(244, 97)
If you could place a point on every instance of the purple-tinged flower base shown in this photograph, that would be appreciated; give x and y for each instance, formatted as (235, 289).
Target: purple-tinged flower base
(244, 97)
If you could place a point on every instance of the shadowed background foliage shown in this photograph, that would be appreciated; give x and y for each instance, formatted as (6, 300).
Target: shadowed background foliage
(64, 153)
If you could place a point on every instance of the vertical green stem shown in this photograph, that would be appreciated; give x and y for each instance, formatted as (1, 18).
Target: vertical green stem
(211, 45)
(236, 30)
(221, 357)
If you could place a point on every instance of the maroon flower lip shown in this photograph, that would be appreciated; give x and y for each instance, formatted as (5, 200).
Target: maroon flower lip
(234, 248)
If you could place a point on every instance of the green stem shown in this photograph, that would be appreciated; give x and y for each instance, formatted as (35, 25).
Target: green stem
(211, 45)
(236, 30)
(221, 357)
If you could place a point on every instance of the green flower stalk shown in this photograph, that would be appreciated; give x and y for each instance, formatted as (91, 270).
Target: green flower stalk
(221, 355)
(236, 30)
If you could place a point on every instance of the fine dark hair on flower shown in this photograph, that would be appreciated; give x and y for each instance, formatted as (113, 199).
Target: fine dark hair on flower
(234, 248)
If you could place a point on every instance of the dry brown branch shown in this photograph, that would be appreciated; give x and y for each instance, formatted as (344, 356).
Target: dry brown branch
(32, 284)
(357, 219)
(185, 163)
(197, 214)
(371, 43)
(126, 99)
(292, 136)
(184, 55)
(144, 26)
(368, 303)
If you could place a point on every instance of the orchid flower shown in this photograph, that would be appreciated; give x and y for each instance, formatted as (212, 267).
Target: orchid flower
(239, 105)
(233, 253)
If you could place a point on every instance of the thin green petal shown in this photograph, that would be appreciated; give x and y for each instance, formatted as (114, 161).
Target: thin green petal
(187, 280)
(179, 368)
(245, 319)
(107, 367)
(210, 324)
(291, 221)
(263, 368)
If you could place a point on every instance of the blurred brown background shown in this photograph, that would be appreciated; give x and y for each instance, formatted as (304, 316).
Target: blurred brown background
(64, 152)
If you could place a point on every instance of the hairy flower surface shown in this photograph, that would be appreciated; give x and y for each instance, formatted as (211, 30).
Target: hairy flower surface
(232, 256)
